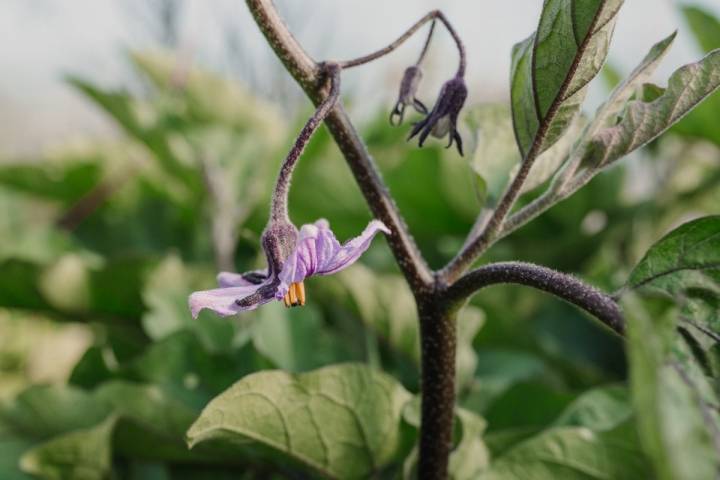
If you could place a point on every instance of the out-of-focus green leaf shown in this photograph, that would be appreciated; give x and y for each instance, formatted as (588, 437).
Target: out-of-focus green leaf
(45, 411)
(12, 447)
(600, 409)
(294, 340)
(672, 426)
(78, 455)
(704, 26)
(702, 122)
(66, 183)
(551, 69)
(576, 453)
(145, 129)
(643, 121)
(342, 420)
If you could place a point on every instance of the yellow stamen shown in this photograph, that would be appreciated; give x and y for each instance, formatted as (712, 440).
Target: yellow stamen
(286, 300)
(300, 288)
(293, 295)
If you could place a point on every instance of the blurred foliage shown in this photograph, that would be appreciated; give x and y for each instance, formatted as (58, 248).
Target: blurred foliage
(103, 374)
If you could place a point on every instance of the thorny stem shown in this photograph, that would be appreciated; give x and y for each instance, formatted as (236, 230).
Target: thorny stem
(279, 206)
(437, 298)
(435, 14)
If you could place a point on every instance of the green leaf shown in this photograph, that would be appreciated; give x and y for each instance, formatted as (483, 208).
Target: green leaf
(341, 420)
(672, 427)
(65, 182)
(575, 453)
(607, 112)
(599, 409)
(44, 411)
(643, 121)
(470, 456)
(694, 247)
(79, 455)
(552, 68)
(294, 340)
(704, 26)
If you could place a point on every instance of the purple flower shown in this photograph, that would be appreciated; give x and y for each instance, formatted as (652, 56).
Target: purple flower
(408, 90)
(292, 257)
(443, 118)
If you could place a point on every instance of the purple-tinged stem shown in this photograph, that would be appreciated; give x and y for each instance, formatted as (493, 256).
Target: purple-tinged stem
(279, 205)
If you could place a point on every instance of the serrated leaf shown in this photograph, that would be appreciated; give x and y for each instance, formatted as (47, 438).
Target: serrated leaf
(79, 455)
(670, 422)
(551, 69)
(644, 121)
(341, 420)
(573, 453)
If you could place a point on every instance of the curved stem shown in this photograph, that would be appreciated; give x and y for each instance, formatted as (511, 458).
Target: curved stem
(279, 205)
(427, 44)
(306, 73)
(433, 15)
(564, 286)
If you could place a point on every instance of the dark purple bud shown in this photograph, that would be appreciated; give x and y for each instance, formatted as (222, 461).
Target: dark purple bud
(408, 90)
(442, 120)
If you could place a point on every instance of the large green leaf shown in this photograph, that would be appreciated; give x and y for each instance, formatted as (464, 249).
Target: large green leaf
(644, 119)
(66, 182)
(342, 420)
(576, 453)
(674, 429)
(552, 68)
(78, 455)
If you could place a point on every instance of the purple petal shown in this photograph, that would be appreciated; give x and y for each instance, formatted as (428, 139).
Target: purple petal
(222, 300)
(229, 279)
(319, 253)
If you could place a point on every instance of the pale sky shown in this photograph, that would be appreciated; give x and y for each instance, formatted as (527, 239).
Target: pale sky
(42, 40)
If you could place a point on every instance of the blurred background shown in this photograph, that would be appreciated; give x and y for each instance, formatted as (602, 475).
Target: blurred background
(138, 145)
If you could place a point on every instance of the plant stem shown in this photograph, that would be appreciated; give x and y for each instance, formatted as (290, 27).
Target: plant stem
(438, 344)
(307, 73)
(433, 15)
(279, 206)
(562, 285)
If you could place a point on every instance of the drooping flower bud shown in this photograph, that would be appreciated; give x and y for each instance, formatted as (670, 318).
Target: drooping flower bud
(442, 120)
(408, 90)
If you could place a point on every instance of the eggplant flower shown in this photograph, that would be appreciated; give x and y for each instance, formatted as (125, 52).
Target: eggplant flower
(442, 120)
(408, 90)
(292, 257)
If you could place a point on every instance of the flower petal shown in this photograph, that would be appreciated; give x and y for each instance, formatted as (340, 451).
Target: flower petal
(318, 252)
(223, 300)
(229, 279)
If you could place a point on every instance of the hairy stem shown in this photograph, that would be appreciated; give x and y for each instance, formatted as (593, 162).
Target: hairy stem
(564, 286)
(438, 337)
(433, 15)
(306, 73)
(279, 206)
